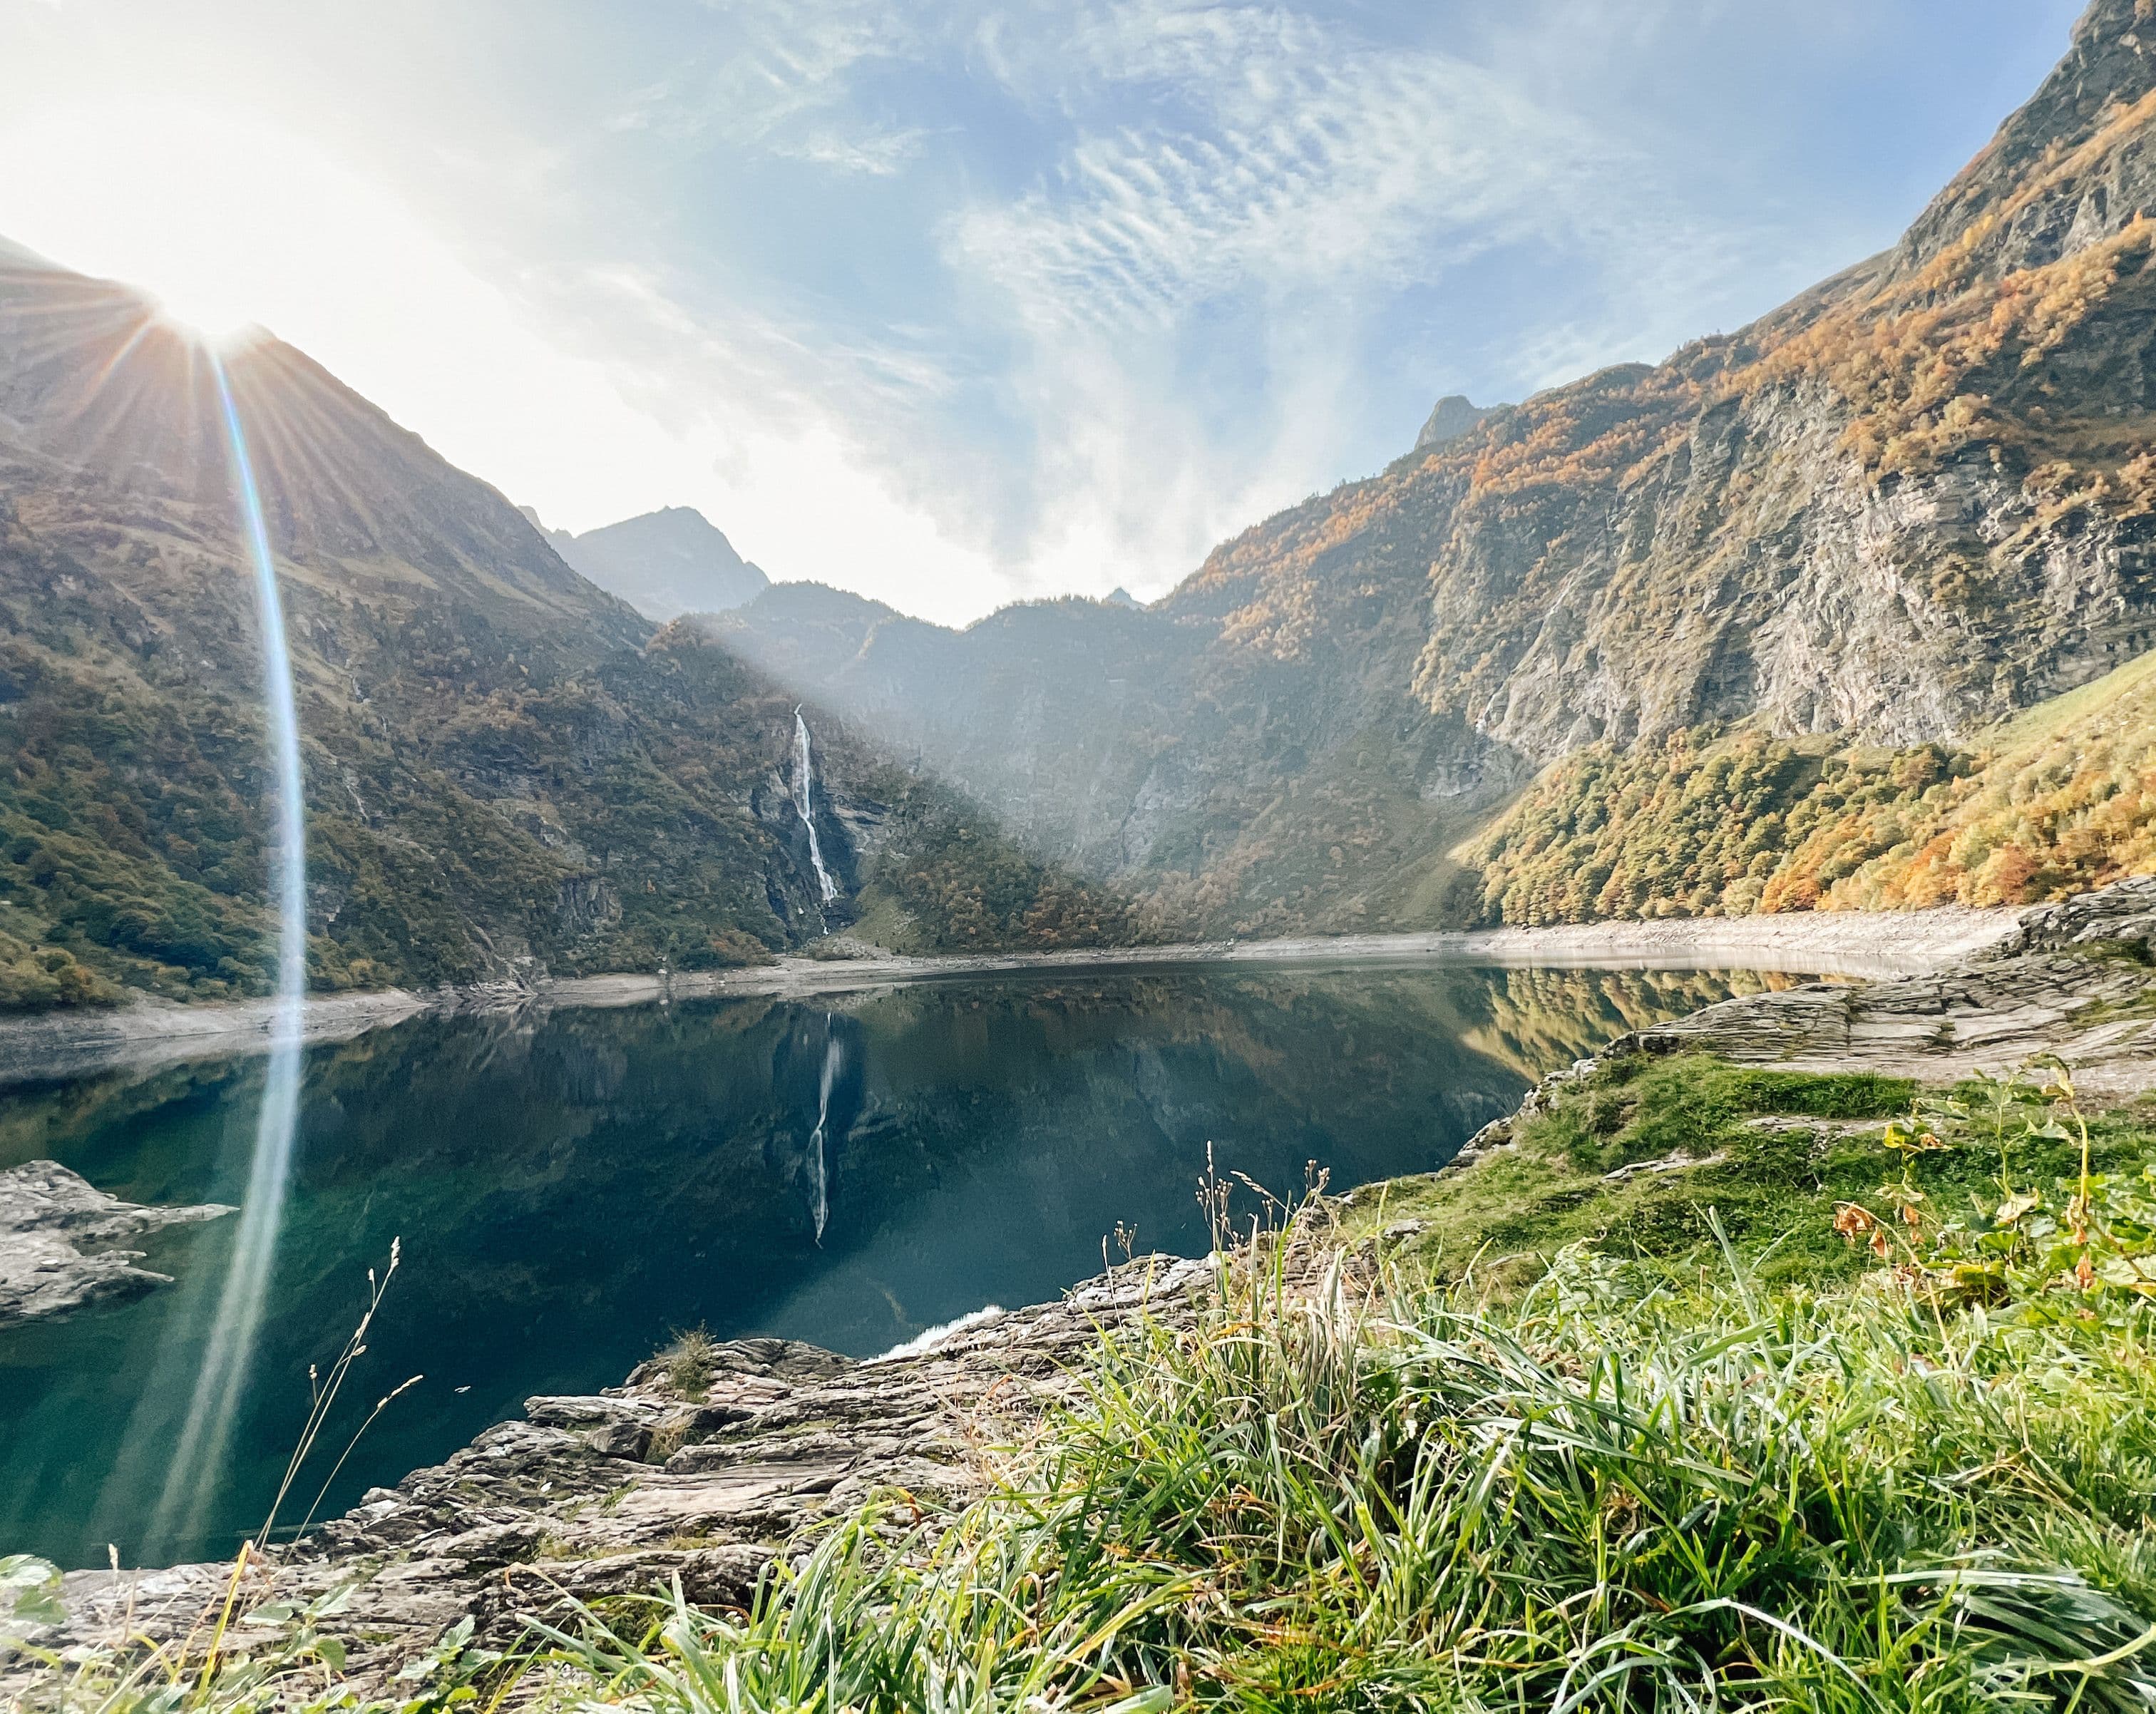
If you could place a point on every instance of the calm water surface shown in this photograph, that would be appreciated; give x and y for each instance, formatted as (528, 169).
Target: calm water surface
(570, 1187)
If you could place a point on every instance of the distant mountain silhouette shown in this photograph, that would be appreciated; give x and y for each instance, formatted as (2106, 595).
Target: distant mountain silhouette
(663, 564)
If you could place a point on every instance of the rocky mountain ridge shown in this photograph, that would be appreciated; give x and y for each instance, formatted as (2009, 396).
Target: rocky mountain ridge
(1915, 502)
(664, 563)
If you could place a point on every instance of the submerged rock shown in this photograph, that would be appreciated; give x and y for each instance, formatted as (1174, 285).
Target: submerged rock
(48, 1216)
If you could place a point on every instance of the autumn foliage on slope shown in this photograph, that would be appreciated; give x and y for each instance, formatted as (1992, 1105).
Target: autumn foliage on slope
(1706, 824)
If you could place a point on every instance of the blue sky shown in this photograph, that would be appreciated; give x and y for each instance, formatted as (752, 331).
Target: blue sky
(957, 303)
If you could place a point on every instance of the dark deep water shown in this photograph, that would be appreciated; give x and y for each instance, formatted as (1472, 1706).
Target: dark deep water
(569, 1189)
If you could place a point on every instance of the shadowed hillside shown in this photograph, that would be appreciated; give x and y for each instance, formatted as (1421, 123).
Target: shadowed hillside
(508, 773)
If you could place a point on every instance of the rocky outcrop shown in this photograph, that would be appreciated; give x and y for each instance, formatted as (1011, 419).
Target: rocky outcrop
(2020, 212)
(2074, 981)
(1455, 414)
(2098, 1016)
(57, 1234)
(702, 1470)
(2121, 918)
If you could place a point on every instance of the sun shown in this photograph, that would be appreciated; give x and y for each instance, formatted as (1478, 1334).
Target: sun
(203, 213)
(213, 319)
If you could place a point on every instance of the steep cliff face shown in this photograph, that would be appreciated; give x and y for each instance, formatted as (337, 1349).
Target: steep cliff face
(1910, 502)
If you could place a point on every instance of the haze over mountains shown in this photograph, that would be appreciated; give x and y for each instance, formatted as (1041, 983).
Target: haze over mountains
(509, 771)
(1748, 621)
(663, 564)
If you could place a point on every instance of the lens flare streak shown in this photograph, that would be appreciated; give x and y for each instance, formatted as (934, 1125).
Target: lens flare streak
(199, 1457)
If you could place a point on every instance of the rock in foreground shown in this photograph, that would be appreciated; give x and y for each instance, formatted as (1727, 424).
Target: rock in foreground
(702, 1470)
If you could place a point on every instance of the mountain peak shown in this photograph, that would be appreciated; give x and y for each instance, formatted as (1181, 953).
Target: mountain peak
(666, 563)
(2069, 168)
(95, 383)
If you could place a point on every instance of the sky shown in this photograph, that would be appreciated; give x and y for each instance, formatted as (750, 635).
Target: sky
(955, 304)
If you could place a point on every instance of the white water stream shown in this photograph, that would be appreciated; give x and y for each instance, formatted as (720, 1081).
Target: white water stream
(806, 803)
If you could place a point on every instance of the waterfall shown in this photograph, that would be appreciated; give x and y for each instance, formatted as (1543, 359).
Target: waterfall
(820, 1169)
(199, 1456)
(806, 803)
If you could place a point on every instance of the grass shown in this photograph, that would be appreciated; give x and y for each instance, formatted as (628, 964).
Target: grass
(1773, 1186)
(1728, 1468)
(1626, 1487)
(691, 1359)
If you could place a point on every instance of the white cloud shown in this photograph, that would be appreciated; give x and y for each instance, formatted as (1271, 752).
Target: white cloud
(879, 154)
(1245, 160)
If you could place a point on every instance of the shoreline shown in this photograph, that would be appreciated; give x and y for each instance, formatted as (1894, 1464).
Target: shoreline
(638, 1485)
(150, 1033)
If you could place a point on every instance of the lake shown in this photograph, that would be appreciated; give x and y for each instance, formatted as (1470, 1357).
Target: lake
(569, 1188)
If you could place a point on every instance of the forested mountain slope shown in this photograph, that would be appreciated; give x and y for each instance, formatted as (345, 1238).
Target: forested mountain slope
(1918, 500)
(2059, 799)
(508, 773)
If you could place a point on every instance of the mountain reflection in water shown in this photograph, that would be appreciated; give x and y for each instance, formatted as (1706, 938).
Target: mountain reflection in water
(571, 1187)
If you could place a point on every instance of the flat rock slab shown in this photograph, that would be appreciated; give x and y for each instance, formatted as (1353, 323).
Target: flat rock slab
(624, 1491)
(57, 1234)
(2099, 1017)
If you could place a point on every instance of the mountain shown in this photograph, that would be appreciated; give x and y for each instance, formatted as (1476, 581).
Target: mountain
(509, 771)
(663, 564)
(1897, 511)
(1238, 791)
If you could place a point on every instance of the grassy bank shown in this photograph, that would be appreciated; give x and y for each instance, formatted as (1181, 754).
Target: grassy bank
(1856, 1410)
(1645, 1155)
(1883, 1435)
